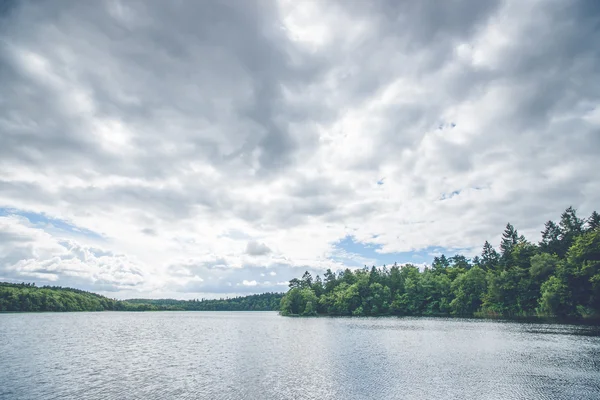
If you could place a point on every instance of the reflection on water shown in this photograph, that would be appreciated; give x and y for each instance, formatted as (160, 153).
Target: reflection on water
(229, 355)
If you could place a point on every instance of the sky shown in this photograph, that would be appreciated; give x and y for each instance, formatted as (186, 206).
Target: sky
(195, 149)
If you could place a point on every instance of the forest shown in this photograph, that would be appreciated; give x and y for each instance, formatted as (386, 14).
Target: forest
(254, 302)
(557, 277)
(28, 297)
(20, 297)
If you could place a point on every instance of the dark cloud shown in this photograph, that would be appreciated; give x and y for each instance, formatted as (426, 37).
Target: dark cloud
(216, 88)
(254, 248)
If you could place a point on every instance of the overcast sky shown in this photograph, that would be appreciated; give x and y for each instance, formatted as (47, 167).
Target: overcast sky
(208, 148)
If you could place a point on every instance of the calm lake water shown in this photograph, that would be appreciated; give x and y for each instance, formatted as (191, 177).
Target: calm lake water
(260, 355)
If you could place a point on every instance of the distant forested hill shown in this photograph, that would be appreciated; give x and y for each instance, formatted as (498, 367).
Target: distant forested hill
(255, 302)
(28, 297)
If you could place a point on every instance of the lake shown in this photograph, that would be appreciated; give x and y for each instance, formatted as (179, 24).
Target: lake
(260, 355)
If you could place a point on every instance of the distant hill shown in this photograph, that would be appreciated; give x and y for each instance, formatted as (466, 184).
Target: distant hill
(26, 297)
(255, 302)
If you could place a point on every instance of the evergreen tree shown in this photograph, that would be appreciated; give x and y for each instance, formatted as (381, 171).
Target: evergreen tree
(593, 222)
(460, 261)
(317, 286)
(374, 275)
(440, 264)
(347, 276)
(510, 238)
(330, 281)
(570, 227)
(307, 280)
(489, 257)
(550, 242)
(570, 223)
(295, 283)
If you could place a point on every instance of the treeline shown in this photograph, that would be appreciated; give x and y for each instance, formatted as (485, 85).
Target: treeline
(559, 276)
(255, 302)
(28, 297)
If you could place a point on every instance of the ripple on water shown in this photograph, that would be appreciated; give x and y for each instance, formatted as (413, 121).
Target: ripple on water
(221, 356)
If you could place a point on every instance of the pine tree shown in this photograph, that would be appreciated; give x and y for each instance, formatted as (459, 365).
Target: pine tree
(550, 242)
(570, 223)
(489, 257)
(460, 261)
(593, 222)
(570, 227)
(307, 280)
(330, 280)
(318, 286)
(510, 238)
(374, 275)
(439, 264)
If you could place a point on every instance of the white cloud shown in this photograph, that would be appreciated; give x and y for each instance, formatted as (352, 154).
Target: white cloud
(205, 154)
(29, 253)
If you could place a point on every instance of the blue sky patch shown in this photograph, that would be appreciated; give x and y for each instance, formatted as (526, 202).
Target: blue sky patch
(446, 196)
(44, 222)
(357, 254)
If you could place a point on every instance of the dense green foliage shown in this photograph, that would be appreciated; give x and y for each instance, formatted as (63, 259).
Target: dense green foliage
(559, 276)
(28, 297)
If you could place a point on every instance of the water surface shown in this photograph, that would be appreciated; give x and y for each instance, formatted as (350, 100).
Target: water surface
(260, 355)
